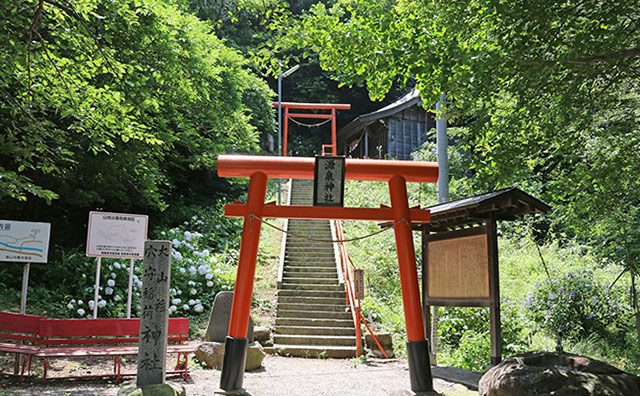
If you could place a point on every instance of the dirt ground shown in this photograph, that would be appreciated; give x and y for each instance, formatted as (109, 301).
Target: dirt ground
(279, 376)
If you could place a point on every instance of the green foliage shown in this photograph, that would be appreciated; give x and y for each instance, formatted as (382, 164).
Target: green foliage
(578, 306)
(116, 105)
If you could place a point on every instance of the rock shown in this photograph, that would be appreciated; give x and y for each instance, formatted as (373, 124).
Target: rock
(556, 374)
(385, 340)
(218, 326)
(212, 355)
(166, 389)
(261, 334)
(255, 355)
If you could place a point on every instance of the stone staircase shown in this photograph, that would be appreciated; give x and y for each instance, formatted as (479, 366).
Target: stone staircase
(312, 318)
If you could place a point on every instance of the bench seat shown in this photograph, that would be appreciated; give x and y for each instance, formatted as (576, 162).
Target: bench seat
(74, 338)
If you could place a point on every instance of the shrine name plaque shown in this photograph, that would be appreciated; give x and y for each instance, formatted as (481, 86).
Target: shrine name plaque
(458, 268)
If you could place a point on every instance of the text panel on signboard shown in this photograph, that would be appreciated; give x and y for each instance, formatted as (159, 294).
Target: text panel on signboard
(24, 241)
(117, 235)
(458, 268)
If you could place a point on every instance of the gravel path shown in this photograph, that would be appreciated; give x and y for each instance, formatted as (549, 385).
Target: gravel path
(278, 377)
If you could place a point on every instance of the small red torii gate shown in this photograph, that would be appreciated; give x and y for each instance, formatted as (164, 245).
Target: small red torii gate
(259, 169)
(311, 106)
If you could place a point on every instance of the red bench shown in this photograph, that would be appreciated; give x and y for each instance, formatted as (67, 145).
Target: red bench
(22, 332)
(106, 337)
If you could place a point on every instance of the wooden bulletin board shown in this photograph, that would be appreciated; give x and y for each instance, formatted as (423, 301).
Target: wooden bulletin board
(458, 270)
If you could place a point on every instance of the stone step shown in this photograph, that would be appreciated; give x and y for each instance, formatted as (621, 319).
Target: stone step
(309, 280)
(305, 255)
(311, 287)
(311, 300)
(312, 293)
(314, 322)
(281, 313)
(303, 252)
(311, 275)
(316, 330)
(306, 339)
(322, 260)
(310, 269)
(312, 307)
(315, 351)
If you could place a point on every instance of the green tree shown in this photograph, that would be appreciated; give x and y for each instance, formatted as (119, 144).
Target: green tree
(116, 105)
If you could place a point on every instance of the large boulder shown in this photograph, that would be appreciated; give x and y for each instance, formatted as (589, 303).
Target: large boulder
(556, 374)
(212, 355)
(218, 326)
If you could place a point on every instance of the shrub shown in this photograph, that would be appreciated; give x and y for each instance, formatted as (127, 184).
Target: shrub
(197, 274)
(578, 306)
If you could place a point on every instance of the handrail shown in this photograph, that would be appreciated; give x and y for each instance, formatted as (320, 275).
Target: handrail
(354, 304)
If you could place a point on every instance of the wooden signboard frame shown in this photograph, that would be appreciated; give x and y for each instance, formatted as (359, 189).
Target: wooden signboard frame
(459, 243)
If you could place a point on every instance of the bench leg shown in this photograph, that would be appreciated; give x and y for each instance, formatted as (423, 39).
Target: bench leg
(186, 366)
(29, 369)
(46, 364)
(24, 364)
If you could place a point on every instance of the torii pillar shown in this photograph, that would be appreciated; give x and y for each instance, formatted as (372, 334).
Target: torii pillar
(259, 169)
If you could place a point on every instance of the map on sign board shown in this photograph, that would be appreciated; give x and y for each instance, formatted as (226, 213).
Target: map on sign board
(118, 235)
(24, 241)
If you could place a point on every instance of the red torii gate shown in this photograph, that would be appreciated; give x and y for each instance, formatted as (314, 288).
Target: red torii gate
(259, 169)
(311, 106)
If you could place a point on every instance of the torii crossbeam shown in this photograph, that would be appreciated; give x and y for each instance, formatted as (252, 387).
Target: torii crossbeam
(259, 169)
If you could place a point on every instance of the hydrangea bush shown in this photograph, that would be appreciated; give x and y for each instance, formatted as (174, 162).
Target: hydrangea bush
(577, 305)
(197, 274)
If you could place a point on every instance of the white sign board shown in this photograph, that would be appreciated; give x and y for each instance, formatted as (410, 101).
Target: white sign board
(24, 241)
(118, 235)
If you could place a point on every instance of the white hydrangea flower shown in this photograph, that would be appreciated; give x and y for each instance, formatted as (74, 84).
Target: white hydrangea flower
(182, 270)
(80, 311)
(121, 314)
(198, 308)
(206, 252)
(73, 301)
(102, 304)
(191, 283)
(176, 301)
(172, 309)
(80, 302)
(209, 275)
(192, 302)
(188, 235)
(117, 265)
(70, 306)
(177, 255)
(176, 243)
(117, 298)
(209, 284)
(92, 304)
(192, 270)
(194, 292)
(111, 283)
(202, 270)
(185, 307)
(179, 292)
(113, 275)
(198, 301)
(108, 291)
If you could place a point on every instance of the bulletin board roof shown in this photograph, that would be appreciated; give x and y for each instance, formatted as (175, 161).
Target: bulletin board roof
(507, 204)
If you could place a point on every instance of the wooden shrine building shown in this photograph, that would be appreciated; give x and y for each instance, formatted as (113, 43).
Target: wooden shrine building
(460, 253)
(394, 131)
